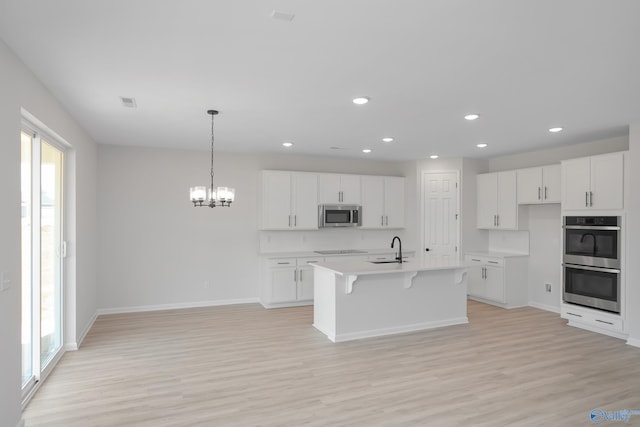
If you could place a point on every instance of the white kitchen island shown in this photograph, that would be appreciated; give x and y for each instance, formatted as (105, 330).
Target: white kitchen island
(360, 299)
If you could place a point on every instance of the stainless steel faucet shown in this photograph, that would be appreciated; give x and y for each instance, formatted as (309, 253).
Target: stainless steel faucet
(399, 257)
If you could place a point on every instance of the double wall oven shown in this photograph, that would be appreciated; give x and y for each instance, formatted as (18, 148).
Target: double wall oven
(591, 261)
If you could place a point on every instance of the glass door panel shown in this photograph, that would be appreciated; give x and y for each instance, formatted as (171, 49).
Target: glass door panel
(50, 252)
(26, 142)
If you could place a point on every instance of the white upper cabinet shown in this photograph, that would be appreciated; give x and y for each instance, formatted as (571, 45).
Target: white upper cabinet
(382, 202)
(339, 189)
(289, 200)
(593, 182)
(394, 202)
(497, 206)
(372, 202)
(539, 185)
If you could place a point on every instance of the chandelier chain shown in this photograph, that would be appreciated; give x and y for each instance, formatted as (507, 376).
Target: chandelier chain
(212, 140)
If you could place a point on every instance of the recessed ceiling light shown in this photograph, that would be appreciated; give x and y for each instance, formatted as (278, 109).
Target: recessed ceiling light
(387, 139)
(361, 100)
(128, 102)
(288, 144)
(434, 156)
(481, 145)
(554, 130)
(471, 116)
(366, 150)
(282, 16)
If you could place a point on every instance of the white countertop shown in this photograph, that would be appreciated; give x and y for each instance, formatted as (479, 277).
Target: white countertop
(344, 266)
(311, 254)
(496, 254)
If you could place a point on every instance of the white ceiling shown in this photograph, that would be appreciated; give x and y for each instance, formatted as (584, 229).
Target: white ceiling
(523, 65)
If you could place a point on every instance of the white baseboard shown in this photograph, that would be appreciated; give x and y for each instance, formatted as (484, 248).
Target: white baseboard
(74, 346)
(286, 304)
(396, 330)
(544, 307)
(143, 308)
(634, 342)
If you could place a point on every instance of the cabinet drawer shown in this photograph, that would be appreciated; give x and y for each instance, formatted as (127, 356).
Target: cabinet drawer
(498, 262)
(282, 262)
(604, 320)
(305, 261)
(475, 259)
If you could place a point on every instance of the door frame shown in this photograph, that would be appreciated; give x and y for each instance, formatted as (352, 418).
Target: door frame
(67, 291)
(423, 175)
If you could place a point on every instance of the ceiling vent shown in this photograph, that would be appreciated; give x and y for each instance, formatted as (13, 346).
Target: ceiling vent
(282, 16)
(128, 102)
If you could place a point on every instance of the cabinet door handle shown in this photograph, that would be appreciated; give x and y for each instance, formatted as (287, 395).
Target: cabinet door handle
(573, 314)
(603, 321)
(545, 192)
(300, 276)
(289, 220)
(586, 199)
(387, 219)
(539, 194)
(295, 220)
(494, 220)
(498, 220)
(590, 199)
(382, 220)
(492, 262)
(473, 259)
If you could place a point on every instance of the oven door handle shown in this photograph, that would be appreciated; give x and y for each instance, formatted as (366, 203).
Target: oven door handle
(586, 267)
(595, 227)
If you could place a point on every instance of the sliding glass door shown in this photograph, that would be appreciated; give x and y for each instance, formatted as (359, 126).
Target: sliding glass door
(42, 254)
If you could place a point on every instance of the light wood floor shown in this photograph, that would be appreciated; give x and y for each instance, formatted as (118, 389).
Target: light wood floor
(244, 366)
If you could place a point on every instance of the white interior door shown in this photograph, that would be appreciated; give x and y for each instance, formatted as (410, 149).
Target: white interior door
(440, 211)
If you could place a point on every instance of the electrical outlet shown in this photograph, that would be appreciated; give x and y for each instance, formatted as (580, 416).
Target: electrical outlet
(547, 287)
(5, 283)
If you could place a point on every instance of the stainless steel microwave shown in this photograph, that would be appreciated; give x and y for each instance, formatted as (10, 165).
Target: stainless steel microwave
(339, 216)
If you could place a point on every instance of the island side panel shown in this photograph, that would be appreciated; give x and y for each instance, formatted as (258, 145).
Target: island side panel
(324, 302)
(380, 304)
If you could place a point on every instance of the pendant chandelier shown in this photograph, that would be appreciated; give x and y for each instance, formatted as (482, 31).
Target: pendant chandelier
(220, 196)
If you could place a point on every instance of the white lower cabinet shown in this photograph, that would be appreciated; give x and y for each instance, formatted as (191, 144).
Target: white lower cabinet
(289, 282)
(498, 280)
(593, 320)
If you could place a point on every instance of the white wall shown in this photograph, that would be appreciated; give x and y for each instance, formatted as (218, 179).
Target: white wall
(545, 255)
(156, 249)
(20, 89)
(555, 155)
(633, 241)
